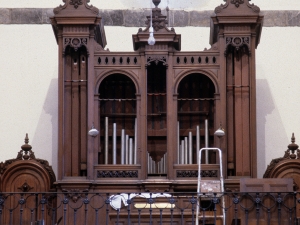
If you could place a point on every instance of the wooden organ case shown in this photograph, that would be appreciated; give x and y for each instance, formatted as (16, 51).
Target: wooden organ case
(156, 106)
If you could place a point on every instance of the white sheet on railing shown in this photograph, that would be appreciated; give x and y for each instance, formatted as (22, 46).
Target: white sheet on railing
(116, 200)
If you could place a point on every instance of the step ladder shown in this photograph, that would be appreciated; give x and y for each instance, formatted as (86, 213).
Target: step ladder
(207, 188)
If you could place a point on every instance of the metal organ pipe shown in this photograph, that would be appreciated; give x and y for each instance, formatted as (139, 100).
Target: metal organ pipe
(178, 143)
(206, 141)
(106, 141)
(126, 149)
(135, 142)
(182, 152)
(190, 161)
(130, 152)
(185, 150)
(197, 142)
(114, 144)
(123, 147)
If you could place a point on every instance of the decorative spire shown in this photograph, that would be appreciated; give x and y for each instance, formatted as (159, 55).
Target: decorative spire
(26, 148)
(159, 21)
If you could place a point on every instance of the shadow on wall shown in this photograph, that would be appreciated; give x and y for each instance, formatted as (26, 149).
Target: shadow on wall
(270, 129)
(45, 140)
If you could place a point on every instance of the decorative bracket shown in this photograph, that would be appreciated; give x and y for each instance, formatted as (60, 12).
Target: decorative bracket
(156, 59)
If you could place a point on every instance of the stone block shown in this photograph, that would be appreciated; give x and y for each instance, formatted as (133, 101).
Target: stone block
(200, 18)
(5, 16)
(135, 18)
(27, 16)
(293, 18)
(275, 18)
(180, 18)
(112, 17)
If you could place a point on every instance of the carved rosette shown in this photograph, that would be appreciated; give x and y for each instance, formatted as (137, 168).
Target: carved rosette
(25, 187)
(237, 2)
(75, 43)
(237, 43)
(76, 3)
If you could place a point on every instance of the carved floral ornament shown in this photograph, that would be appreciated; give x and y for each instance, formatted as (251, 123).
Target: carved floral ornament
(237, 43)
(75, 43)
(76, 3)
(237, 2)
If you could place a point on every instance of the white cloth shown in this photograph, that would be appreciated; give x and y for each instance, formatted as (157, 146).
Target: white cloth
(116, 200)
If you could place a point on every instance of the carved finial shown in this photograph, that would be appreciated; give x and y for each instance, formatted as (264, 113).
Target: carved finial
(156, 2)
(292, 147)
(26, 147)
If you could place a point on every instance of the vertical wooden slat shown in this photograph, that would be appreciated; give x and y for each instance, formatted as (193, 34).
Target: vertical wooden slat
(75, 117)
(67, 117)
(83, 112)
(238, 114)
(230, 112)
(246, 115)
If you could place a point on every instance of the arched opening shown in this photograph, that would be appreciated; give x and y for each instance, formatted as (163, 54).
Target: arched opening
(196, 108)
(117, 96)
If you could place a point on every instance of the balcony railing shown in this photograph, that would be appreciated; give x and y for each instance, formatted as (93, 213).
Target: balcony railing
(86, 208)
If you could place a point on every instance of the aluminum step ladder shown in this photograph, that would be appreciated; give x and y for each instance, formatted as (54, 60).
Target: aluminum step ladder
(208, 187)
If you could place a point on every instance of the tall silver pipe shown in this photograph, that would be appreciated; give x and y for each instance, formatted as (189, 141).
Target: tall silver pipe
(154, 170)
(114, 144)
(190, 148)
(123, 147)
(182, 152)
(135, 142)
(178, 143)
(164, 164)
(159, 167)
(197, 141)
(106, 141)
(126, 149)
(148, 160)
(206, 141)
(130, 152)
(185, 150)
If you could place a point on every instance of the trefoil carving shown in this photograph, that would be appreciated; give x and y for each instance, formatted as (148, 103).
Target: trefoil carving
(237, 2)
(75, 43)
(237, 43)
(76, 3)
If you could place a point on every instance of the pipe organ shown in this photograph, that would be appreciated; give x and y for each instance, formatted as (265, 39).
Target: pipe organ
(156, 106)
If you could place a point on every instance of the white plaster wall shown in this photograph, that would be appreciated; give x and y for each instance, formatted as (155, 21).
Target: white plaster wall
(28, 90)
(173, 4)
(28, 93)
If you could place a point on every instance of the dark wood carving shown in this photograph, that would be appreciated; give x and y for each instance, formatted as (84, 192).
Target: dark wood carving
(155, 97)
(26, 174)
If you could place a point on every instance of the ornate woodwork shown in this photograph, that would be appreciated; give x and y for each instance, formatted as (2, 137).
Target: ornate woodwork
(155, 99)
(26, 174)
